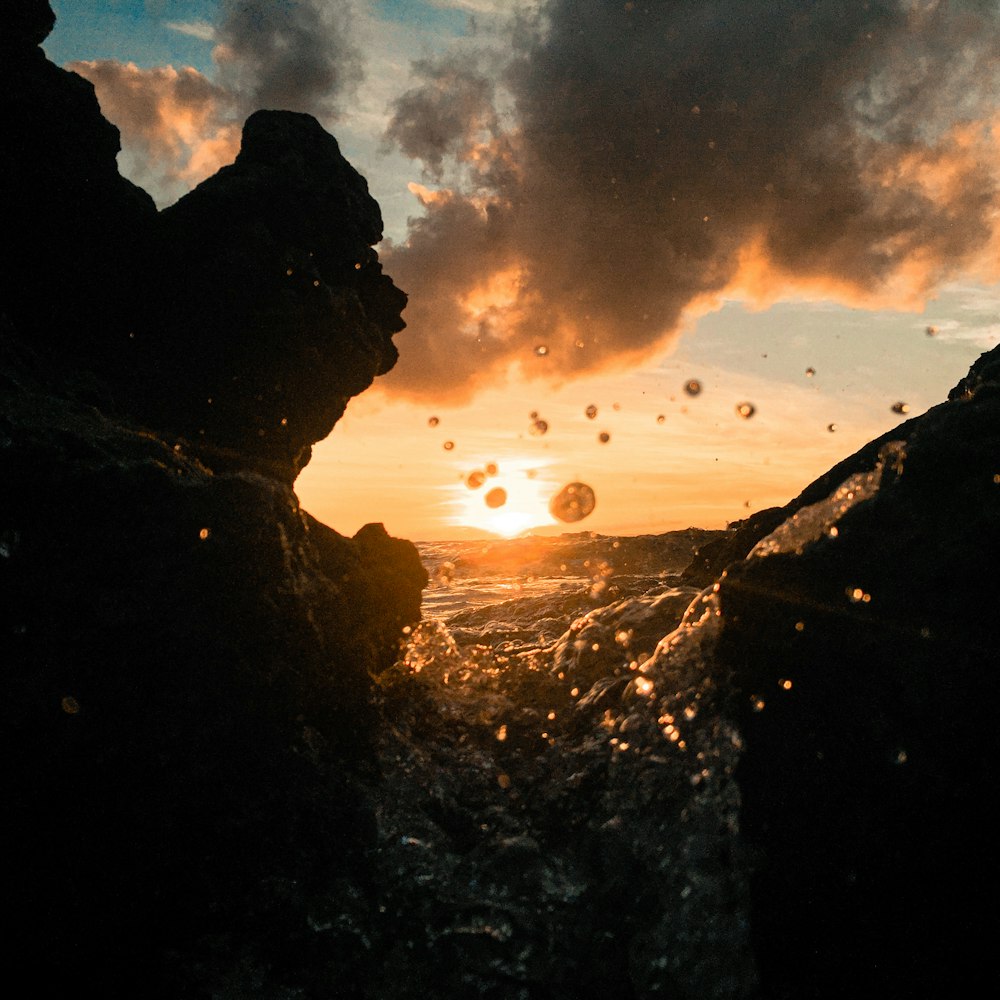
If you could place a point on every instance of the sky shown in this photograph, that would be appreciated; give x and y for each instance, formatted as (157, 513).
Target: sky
(593, 204)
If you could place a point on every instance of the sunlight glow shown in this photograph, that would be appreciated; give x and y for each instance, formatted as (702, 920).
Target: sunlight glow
(528, 493)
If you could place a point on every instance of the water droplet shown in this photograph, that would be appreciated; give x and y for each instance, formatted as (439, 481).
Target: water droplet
(692, 387)
(539, 427)
(491, 468)
(357, 267)
(661, 419)
(800, 626)
(810, 372)
(475, 479)
(573, 502)
(643, 685)
(746, 410)
(70, 705)
(900, 407)
(591, 411)
(533, 415)
(432, 421)
(502, 733)
(496, 497)
(831, 428)
(541, 350)
(932, 331)
(604, 437)
(503, 780)
(448, 445)
(204, 533)
(316, 283)
(785, 684)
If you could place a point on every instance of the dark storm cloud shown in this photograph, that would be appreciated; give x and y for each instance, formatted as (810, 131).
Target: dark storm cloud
(293, 55)
(446, 114)
(662, 152)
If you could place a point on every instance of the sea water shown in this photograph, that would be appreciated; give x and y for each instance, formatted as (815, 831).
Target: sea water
(557, 813)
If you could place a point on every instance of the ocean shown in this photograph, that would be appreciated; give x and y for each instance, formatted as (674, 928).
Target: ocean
(556, 812)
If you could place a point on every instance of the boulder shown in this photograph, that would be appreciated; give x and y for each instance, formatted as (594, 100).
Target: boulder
(858, 641)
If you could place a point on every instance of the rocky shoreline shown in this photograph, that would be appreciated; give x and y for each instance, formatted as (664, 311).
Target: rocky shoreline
(226, 780)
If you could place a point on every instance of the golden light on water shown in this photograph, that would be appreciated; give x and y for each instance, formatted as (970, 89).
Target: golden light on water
(526, 506)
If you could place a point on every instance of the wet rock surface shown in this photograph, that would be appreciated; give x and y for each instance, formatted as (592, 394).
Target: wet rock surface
(869, 632)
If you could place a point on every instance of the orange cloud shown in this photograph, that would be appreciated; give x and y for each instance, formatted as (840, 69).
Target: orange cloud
(176, 125)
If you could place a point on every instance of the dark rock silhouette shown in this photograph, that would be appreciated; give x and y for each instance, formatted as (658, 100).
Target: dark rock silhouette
(264, 308)
(74, 226)
(188, 656)
(861, 656)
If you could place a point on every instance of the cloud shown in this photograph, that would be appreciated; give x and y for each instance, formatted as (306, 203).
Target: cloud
(178, 126)
(644, 159)
(195, 29)
(294, 55)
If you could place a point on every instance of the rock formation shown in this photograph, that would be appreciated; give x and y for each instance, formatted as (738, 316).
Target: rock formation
(859, 642)
(188, 655)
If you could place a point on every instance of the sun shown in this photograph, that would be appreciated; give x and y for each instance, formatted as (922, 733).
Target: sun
(509, 502)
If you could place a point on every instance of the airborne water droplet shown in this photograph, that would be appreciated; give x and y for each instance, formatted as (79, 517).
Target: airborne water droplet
(591, 411)
(491, 468)
(448, 445)
(496, 497)
(692, 387)
(604, 437)
(900, 407)
(573, 502)
(432, 421)
(541, 350)
(539, 427)
(475, 479)
(746, 410)
(810, 372)
(70, 705)
(831, 427)
(661, 419)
